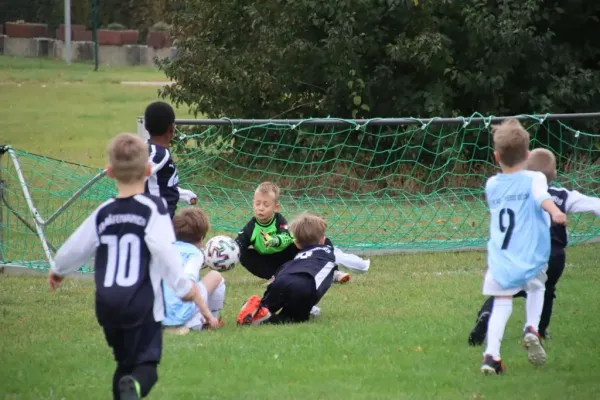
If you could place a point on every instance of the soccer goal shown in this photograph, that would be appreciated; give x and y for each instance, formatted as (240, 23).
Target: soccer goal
(384, 185)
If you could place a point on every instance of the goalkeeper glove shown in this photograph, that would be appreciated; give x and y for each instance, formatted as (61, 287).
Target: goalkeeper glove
(270, 241)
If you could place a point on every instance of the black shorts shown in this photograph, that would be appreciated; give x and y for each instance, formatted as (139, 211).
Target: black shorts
(293, 296)
(137, 345)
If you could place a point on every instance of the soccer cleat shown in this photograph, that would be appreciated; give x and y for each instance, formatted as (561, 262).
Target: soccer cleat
(491, 366)
(261, 316)
(341, 277)
(477, 335)
(249, 310)
(129, 388)
(533, 343)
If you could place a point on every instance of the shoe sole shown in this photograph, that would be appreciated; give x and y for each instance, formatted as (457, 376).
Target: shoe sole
(535, 352)
(487, 370)
(477, 335)
(127, 390)
(345, 279)
(261, 320)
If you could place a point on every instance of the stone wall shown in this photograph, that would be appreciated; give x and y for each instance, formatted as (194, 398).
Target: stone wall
(131, 54)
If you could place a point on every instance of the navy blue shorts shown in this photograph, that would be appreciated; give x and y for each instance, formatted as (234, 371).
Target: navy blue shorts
(136, 345)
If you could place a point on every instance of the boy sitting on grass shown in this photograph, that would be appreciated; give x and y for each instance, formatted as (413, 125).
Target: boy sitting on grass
(191, 226)
(300, 283)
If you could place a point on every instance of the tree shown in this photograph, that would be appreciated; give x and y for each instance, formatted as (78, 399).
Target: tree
(374, 58)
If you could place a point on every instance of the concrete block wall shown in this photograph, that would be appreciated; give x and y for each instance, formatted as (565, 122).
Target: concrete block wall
(132, 54)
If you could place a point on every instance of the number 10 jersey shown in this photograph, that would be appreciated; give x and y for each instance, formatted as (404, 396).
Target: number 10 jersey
(519, 244)
(133, 242)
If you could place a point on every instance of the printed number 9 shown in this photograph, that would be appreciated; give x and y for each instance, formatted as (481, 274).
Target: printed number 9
(507, 230)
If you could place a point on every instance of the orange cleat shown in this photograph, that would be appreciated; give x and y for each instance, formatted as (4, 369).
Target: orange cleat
(249, 309)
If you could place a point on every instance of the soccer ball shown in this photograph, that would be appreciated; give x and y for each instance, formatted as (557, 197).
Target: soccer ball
(222, 253)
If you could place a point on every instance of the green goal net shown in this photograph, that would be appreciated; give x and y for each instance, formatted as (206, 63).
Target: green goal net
(384, 185)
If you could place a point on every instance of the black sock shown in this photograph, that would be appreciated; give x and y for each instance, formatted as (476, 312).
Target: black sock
(146, 375)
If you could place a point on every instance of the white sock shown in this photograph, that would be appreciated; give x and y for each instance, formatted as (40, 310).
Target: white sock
(216, 299)
(498, 319)
(315, 311)
(533, 307)
(351, 261)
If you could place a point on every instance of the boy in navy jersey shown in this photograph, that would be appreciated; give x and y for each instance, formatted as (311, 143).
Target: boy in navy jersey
(132, 239)
(300, 283)
(568, 201)
(159, 121)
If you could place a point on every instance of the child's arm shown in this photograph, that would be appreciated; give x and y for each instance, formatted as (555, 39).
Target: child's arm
(159, 239)
(579, 203)
(244, 237)
(187, 196)
(539, 189)
(75, 252)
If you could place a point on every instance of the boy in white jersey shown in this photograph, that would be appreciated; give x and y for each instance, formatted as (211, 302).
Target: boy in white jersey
(519, 244)
(191, 226)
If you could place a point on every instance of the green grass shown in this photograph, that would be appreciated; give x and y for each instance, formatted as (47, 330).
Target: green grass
(398, 332)
(70, 112)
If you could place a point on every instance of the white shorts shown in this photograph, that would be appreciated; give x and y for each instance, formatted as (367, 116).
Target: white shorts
(197, 318)
(492, 288)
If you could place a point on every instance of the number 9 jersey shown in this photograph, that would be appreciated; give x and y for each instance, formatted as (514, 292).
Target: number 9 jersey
(519, 244)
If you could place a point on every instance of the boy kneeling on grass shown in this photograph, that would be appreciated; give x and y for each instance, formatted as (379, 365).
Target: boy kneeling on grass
(300, 283)
(191, 226)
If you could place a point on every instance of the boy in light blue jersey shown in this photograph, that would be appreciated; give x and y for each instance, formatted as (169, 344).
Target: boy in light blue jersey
(519, 244)
(191, 226)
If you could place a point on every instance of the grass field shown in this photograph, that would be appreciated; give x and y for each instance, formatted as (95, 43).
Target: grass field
(398, 332)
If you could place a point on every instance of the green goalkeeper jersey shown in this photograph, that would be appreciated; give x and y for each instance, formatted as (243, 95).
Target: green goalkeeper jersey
(250, 235)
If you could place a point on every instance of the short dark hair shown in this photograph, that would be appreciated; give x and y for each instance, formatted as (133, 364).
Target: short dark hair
(159, 116)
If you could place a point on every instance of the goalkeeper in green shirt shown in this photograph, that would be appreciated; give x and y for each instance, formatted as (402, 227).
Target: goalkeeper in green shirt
(273, 245)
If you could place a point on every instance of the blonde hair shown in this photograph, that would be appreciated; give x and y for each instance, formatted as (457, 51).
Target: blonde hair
(308, 229)
(511, 141)
(128, 158)
(544, 161)
(191, 225)
(268, 188)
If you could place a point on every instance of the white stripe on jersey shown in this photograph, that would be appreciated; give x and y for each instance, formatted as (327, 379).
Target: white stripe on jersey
(322, 274)
(153, 178)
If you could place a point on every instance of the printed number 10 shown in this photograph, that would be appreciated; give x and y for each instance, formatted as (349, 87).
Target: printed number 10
(507, 230)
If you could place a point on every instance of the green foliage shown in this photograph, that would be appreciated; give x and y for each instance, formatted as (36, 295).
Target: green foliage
(161, 27)
(305, 58)
(115, 26)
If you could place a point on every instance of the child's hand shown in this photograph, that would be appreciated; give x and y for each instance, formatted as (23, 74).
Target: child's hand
(270, 241)
(212, 322)
(559, 218)
(54, 280)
